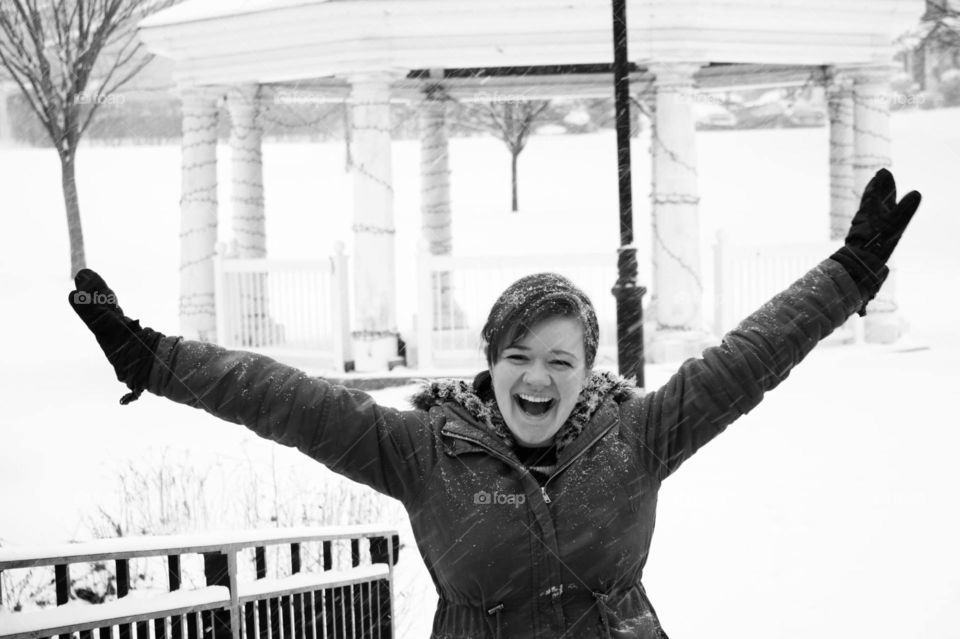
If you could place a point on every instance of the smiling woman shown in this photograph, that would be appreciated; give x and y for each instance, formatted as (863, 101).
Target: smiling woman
(541, 340)
(532, 491)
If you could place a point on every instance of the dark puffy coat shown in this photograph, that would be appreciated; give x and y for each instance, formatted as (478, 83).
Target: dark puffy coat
(509, 558)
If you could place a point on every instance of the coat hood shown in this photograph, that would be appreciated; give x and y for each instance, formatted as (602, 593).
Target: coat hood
(479, 401)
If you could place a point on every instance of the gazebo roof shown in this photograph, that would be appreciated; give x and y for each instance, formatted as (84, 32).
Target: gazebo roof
(267, 41)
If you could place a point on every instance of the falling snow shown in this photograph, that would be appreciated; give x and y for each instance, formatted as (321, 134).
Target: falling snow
(832, 500)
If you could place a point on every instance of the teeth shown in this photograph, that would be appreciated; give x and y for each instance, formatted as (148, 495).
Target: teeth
(533, 398)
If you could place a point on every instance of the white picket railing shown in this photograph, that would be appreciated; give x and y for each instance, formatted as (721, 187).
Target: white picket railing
(285, 308)
(746, 276)
(448, 330)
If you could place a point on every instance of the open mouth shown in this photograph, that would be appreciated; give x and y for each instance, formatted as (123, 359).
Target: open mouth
(532, 405)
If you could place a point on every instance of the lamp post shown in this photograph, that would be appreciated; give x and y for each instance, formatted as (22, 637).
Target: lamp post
(628, 293)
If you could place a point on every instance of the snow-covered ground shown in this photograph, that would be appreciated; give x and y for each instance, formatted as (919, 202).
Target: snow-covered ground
(829, 511)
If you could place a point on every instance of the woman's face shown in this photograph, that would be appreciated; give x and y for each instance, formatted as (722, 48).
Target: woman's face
(538, 379)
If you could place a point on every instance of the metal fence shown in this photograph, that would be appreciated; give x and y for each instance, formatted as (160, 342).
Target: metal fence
(353, 601)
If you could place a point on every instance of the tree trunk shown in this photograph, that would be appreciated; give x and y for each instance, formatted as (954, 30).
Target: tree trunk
(78, 259)
(513, 178)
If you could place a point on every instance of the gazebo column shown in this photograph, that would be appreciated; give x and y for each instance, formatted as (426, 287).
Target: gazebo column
(436, 223)
(843, 201)
(198, 212)
(677, 282)
(871, 97)
(248, 215)
(375, 318)
(246, 172)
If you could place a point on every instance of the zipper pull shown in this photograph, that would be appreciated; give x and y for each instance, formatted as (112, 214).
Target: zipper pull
(546, 498)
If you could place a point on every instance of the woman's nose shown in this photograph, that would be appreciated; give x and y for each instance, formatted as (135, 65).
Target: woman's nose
(536, 374)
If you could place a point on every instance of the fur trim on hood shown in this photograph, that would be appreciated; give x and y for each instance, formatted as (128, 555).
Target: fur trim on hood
(479, 401)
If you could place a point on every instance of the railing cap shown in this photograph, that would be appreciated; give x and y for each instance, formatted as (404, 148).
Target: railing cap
(152, 546)
(78, 615)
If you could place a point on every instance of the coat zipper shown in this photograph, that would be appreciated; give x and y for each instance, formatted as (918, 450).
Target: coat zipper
(510, 462)
(543, 489)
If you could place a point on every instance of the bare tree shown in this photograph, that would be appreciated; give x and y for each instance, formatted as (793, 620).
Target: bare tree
(512, 122)
(68, 57)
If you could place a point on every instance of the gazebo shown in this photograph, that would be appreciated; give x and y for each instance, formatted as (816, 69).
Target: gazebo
(371, 52)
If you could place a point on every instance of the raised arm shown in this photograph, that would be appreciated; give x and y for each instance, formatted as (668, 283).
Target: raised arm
(729, 380)
(345, 430)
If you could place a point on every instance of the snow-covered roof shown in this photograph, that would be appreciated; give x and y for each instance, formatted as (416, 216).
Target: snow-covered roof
(195, 10)
(223, 42)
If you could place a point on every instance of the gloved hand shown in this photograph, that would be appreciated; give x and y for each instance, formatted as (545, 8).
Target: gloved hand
(874, 233)
(128, 347)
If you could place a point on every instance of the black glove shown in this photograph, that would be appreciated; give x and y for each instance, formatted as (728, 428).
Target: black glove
(128, 347)
(874, 233)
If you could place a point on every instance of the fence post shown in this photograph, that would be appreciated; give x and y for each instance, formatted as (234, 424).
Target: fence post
(719, 256)
(424, 307)
(174, 579)
(384, 550)
(219, 305)
(220, 569)
(342, 340)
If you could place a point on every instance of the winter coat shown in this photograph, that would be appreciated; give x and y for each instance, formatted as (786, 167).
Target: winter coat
(510, 558)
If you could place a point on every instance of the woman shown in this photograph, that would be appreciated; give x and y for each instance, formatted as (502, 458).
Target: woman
(532, 491)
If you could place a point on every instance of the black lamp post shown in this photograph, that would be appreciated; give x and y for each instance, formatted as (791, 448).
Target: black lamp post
(628, 293)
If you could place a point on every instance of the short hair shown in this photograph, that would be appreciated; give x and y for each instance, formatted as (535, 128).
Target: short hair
(531, 300)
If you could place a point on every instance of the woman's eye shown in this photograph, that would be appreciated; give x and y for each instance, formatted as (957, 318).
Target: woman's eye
(516, 358)
(562, 363)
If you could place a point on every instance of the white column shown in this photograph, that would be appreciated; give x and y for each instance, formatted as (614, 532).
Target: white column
(248, 215)
(871, 123)
(677, 283)
(843, 197)
(435, 172)
(198, 213)
(246, 172)
(435, 212)
(871, 97)
(375, 317)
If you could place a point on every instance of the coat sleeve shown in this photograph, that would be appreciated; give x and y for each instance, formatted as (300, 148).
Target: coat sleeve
(729, 380)
(346, 430)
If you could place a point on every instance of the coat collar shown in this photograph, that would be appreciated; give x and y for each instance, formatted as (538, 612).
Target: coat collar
(481, 419)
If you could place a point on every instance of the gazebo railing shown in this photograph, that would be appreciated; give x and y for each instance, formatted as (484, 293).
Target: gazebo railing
(285, 308)
(747, 275)
(354, 601)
